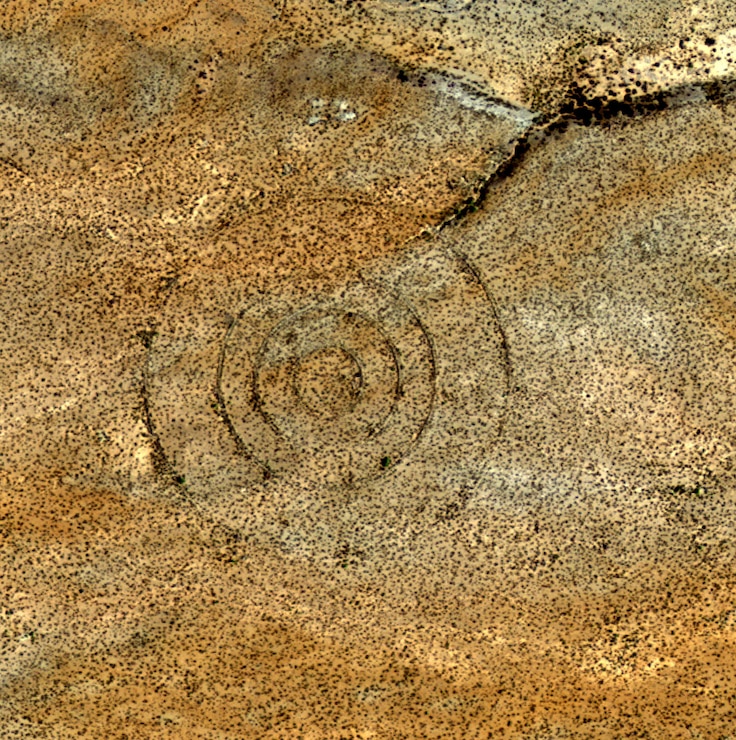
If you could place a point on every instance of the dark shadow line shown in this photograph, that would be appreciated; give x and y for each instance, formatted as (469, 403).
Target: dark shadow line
(222, 411)
(162, 464)
(581, 110)
(396, 294)
(508, 367)
(423, 7)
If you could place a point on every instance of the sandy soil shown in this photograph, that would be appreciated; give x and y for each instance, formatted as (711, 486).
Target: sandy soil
(367, 370)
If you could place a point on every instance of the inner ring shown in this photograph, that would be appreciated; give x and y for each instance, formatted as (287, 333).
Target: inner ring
(355, 346)
(328, 381)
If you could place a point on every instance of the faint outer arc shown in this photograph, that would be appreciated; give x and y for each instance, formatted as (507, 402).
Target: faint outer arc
(473, 270)
(158, 448)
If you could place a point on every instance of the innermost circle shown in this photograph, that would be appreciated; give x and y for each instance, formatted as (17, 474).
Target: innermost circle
(328, 381)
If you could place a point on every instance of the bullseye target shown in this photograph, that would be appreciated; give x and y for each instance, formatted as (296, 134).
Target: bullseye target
(334, 388)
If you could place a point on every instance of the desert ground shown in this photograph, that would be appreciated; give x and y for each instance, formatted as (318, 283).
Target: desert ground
(367, 369)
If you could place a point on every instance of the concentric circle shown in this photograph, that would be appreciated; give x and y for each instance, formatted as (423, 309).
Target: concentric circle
(332, 390)
(340, 366)
(402, 372)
